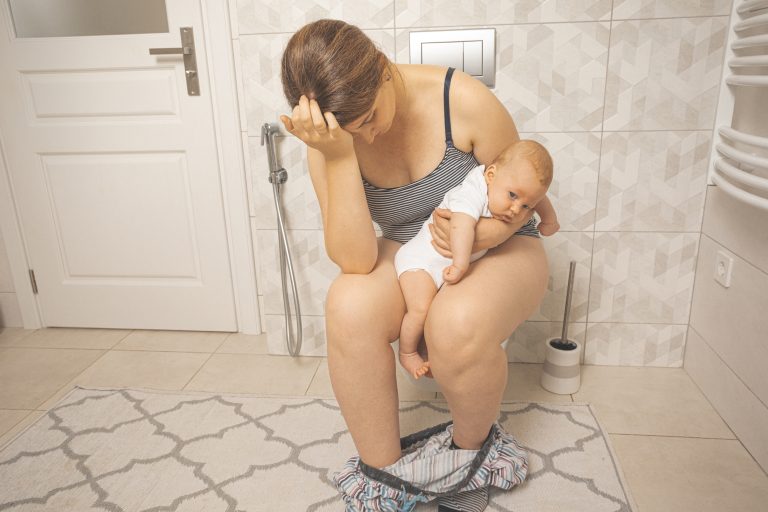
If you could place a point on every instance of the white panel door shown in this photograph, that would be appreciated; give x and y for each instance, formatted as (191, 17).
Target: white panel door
(115, 174)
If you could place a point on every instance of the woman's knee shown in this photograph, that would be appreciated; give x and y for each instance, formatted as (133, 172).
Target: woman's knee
(359, 307)
(454, 334)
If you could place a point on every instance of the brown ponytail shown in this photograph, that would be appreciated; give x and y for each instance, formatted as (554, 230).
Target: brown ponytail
(336, 64)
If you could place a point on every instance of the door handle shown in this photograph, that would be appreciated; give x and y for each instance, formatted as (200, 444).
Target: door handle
(190, 62)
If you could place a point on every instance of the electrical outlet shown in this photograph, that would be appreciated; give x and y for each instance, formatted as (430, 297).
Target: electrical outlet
(723, 268)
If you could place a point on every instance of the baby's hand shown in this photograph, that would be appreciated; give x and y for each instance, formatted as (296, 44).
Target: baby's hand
(453, 274)
(549, 228)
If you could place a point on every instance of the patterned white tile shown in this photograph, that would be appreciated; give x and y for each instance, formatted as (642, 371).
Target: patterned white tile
(664, 74)
(265, 16)
(561, 248)
(652, 181)
(627, 9)
(642, 277)
(418, 13)
(573, 192)
(300, 207)
(312, 336)
(618, 344)
(260, 65)
(552, 77)
(528, 343)
(314, 271)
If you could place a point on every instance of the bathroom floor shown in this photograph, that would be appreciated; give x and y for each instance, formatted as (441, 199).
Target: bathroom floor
(676, 452)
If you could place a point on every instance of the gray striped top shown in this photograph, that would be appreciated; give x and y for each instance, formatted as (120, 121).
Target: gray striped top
(401, 211)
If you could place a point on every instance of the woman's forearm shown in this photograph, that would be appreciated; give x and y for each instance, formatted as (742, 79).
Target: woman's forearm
(491, 232)
(350, 239)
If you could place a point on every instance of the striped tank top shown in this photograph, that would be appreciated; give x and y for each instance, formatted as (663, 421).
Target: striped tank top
(401, 211)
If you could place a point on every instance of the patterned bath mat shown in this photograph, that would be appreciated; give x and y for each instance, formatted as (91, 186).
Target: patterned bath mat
(125, 450)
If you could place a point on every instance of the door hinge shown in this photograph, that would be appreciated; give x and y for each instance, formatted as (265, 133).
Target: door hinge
(34, 282)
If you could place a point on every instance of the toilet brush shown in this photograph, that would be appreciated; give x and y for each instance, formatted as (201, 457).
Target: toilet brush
(562, 370)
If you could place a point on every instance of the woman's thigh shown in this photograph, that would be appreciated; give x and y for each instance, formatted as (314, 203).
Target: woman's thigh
(364, 306)
(499, 292)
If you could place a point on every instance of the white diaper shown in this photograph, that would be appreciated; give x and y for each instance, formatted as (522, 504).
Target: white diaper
(418, 254)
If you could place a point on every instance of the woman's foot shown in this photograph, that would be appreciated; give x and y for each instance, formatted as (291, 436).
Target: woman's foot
(413, 362)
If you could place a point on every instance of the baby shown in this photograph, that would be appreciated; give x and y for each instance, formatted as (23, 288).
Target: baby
(507, 189)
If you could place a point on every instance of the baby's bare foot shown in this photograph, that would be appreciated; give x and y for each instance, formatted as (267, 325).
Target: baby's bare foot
(415, 365)
(453, 274)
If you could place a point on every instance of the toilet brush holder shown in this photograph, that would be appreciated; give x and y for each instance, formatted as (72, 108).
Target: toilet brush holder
(562, 360)
(562, 367)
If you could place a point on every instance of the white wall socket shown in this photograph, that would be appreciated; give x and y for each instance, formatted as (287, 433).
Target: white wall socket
(723, 268)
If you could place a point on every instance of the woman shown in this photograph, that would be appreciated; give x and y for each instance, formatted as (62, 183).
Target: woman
(394, 138)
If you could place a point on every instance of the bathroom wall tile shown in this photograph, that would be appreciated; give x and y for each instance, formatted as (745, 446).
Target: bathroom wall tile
(573, 192)
(642, 277)
(300, 207)
(652, 181)
(528, 343)
(313, 334)
(314, 270)
(417, 13)
(617, 344)
(737, 226)
(745, 414)
(733, 320)
(664, 74)
(627, 9)
(265, 16)
(552, 77)
(263, 90)
(561, 248)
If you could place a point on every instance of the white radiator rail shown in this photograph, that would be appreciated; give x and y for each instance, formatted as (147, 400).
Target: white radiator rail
(742, 172)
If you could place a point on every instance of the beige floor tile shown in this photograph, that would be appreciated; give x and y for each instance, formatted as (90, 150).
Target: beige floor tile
(12, 336)
(253, 373)
(9, 418)
(57, 337)
(173, 341)
(29, 418)
(691, 475)
(30, 375)
(649, 401)
(238, 343)
(406, 390)
(119, 369)
(523, 383)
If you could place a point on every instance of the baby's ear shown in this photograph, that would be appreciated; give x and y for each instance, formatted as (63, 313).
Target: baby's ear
(489, 173)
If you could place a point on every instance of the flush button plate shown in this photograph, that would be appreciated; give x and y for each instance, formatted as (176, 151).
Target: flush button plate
(471, 50)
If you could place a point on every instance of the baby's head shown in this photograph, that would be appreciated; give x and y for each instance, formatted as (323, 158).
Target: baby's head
(518, 179)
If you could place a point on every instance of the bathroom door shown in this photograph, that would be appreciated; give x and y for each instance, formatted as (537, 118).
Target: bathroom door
(113, 164)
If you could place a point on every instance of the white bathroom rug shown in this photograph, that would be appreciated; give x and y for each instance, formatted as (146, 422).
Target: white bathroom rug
(126, 450)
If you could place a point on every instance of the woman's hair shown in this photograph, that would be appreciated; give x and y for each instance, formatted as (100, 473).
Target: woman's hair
(335, 64)
(534, 153)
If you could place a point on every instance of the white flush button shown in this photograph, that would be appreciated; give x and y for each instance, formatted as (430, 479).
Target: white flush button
(449, 54)
(470, 50)
(473, 58)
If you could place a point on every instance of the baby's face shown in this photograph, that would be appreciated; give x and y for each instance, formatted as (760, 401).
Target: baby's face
(513, 190)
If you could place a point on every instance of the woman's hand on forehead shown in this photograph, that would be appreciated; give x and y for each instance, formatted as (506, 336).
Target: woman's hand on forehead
(318, 130)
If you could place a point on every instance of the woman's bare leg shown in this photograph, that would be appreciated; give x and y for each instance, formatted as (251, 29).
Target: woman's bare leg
(363, 316)
(467, 323)
(418, 291)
